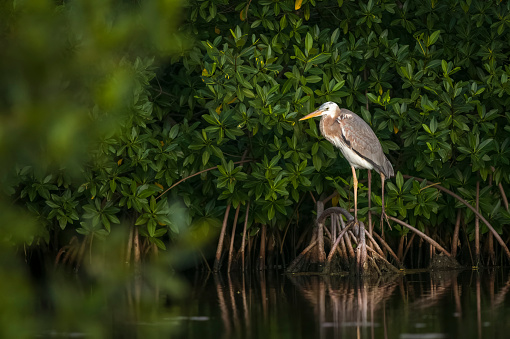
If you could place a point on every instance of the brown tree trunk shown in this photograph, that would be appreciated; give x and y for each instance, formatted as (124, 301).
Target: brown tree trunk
(243, 244)
(136, 251)
(455, 238)
(231, 250)
(503, 195)
(400, 251)
(463, 223)
(334, 224)
(477, 226)
(129, 246)
(491, 260)
(350, 249)
(409, 244)
(262, 256)
(219, 249)
(346, 242)
(320, 236)
(502, 192)
(344, 250)
(251, 240)
(137, 267)
(270, 252)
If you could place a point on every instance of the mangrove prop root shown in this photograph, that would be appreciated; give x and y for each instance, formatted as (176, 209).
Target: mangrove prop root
(409, 243)
(502, 191)
(294, 265)
(81, 253)
(493, 231)
(295, 213)
(362, 251)
(376, 267)
(136, 253)
(477, 225)
(338, 239)
(338, 210)
(455, 238)
(356, 233)
(387, 247)
(243, 243)
(503, 195)
(400, 251)
(344, 250)
(59, 254)
(320, 234)
(375, 244)
(491, 260)
(425, 237)
(262, 249)
(388, 265)
(129, 246)
(219, 249)
(231, 249)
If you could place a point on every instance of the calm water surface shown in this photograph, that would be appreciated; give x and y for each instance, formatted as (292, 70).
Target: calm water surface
(468, 304)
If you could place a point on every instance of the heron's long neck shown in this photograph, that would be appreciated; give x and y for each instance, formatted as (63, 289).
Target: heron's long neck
(326, 126)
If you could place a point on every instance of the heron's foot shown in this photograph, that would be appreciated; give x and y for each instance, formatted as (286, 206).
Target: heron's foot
(354, 226)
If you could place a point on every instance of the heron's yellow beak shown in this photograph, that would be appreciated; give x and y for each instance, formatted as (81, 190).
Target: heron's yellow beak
(312, 115)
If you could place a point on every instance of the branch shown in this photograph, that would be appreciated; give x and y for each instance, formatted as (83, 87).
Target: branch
(335, 245)
(421, 234)
(388, 248)
(334, 210)
(502, 191)
(200, 172)
(496, 235)
(296, 261)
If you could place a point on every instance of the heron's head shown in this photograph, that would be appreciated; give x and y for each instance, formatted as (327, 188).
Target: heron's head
(326, 108)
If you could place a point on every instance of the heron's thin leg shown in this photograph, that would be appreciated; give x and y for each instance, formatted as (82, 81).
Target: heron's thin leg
(383, 214)
(369, 201)
(355, 180)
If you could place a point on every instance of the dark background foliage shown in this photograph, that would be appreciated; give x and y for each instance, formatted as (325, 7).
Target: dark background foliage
(117, 108)
(132, 130)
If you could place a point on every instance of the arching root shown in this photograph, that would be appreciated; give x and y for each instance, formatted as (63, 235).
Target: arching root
(364, 260)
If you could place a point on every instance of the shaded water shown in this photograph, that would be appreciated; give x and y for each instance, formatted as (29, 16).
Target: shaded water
(468, 304)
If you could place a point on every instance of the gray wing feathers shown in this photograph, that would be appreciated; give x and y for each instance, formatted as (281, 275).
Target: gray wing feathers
(365, 142)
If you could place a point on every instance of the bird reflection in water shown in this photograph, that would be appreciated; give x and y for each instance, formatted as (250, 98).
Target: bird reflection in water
(267, 305)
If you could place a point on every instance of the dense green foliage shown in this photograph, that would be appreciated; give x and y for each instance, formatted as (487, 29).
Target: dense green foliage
(430, 77)
(68, 74)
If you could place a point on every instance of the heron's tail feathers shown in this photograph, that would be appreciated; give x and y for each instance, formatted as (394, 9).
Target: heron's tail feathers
(387, 169)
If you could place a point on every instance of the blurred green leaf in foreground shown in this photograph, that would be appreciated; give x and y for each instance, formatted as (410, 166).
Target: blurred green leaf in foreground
(68, 77)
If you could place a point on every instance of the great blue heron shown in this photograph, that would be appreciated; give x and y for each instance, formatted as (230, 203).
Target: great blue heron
(358, 143)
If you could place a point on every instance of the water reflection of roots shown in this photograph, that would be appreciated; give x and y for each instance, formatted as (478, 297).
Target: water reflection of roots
(263, 304)
(341, 303)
